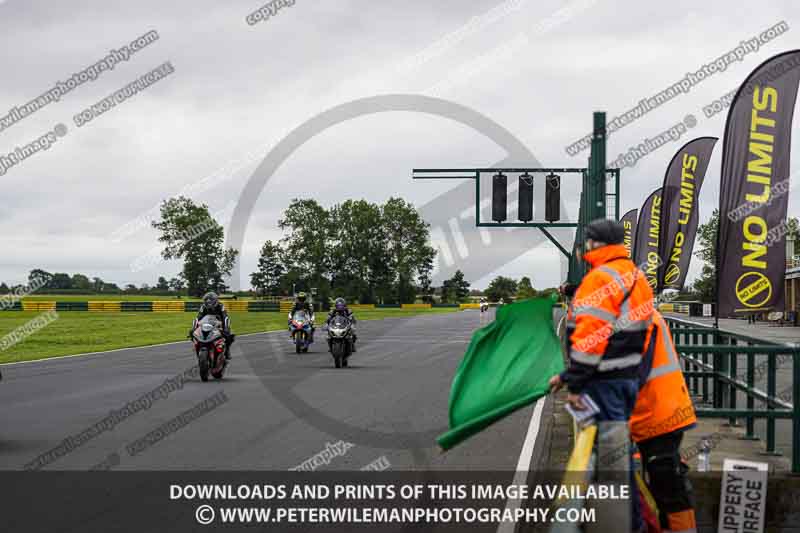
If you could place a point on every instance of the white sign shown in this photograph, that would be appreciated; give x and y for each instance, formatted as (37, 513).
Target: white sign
(743, 498)
(707, 310)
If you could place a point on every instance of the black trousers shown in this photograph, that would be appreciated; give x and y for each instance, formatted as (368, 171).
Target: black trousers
(667, 474)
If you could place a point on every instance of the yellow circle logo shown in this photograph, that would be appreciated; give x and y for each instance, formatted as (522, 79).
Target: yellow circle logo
(753, 289)
(672, 274)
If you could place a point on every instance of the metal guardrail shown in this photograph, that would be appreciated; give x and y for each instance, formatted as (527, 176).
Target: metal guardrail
(712, 359)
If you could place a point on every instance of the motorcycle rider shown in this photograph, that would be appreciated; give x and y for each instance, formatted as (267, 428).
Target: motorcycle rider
(212, 306)
(300, 304)
(340, 308)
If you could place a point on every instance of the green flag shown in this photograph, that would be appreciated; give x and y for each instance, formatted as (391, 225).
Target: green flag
(507, 366)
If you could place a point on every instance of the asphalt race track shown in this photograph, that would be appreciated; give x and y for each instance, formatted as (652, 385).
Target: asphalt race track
(274, 409)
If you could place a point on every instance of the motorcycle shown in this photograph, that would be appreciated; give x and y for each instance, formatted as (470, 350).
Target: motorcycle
(209, 346)
(340, 340)
(300, 329)
(484, 307)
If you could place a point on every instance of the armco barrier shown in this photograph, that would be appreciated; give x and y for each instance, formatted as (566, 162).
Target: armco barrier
(37, 305)
(72, 306)
(236, 305)
(183, 306)
(361, 307)
(169, 306)
(259, 306)
(140, 307)
(191, 307)
(103, 306)
(416, 306)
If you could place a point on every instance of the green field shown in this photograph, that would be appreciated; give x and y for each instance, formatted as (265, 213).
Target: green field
(80, 332)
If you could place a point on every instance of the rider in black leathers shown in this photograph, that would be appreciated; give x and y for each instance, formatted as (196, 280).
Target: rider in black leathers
(340, 308)
(212, 306)
(300, 304)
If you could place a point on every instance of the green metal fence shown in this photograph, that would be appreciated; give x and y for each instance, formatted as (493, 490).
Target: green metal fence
(722, 367)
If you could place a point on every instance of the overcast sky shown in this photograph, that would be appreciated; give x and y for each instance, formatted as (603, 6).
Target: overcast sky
(537, 69)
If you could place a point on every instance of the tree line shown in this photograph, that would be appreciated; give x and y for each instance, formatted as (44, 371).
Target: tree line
(362, 251)
(366, 252)
(62, 283)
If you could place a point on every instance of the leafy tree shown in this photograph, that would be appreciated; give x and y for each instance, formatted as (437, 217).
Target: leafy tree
(190, 233)
(525, 290)
(40, 278)
(501, 288)
(97, 284)
(267, 279)
(307, 244)
(131, 288)
(4, 288)
(706, 285)
(177, 284)
(358, 252)
(455, 289)
(60, 280)
(79, 281)
(425, 280)
(794, 229)
(407, 236)
(162, 284)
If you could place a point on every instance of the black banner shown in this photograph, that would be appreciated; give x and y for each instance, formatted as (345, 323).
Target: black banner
(679, 213)
(754, 185)
(646, 244)
(629, 224)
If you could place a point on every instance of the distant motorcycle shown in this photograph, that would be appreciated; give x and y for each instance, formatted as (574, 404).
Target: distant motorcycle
(484, 307)
(209, 346)
(300, 329)
(340, 339)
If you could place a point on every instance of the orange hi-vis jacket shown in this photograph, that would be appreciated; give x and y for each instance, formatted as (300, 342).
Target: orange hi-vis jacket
(663, 404)
(608, 319)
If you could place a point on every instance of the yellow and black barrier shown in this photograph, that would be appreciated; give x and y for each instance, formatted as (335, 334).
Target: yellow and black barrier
(192, 306)
(415, 306)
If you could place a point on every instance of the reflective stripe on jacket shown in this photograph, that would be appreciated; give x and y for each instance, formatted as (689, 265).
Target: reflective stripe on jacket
(608, 319)
(663, 404)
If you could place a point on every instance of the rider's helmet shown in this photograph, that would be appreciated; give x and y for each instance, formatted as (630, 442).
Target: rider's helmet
(340, 304)
(301, 297)
(211, 300)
